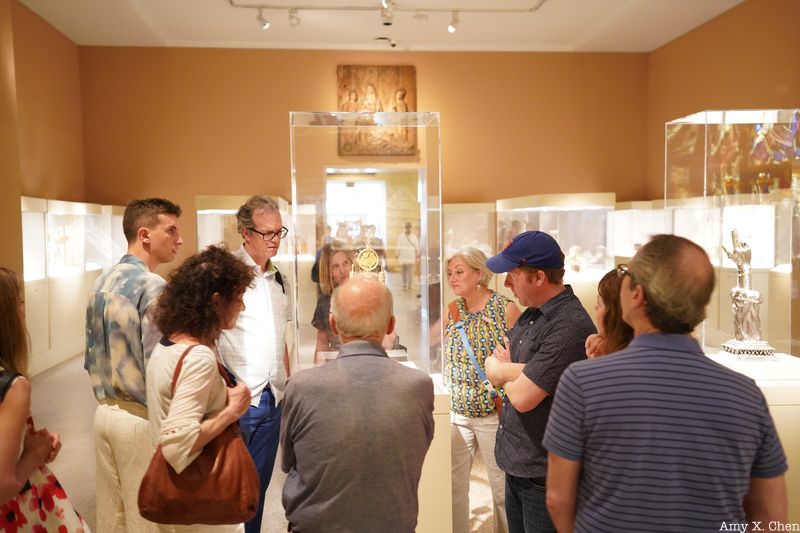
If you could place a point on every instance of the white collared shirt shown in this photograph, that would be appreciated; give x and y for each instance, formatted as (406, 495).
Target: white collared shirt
(254, 349)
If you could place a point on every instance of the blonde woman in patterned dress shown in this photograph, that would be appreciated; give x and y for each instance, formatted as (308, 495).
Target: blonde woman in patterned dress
(486, 317)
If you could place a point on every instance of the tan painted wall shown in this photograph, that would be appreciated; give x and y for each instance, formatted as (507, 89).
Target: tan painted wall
(746, 58)
(183, 122)
(49, 107)
(512, 124)
(10, 182)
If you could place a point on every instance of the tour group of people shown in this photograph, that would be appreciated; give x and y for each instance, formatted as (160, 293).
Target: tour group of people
(626, 426)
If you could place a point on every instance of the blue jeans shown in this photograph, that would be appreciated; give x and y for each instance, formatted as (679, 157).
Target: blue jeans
(260, 430)
(526, 505)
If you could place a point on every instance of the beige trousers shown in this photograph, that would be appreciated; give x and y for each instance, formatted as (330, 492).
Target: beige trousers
(123, 449)
(467, 437)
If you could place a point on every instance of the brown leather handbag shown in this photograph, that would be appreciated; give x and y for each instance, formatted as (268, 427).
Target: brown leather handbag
(220, 486)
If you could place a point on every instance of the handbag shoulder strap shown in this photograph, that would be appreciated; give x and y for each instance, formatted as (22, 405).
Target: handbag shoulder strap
(179, 366)
(453, 308)
(7, 377)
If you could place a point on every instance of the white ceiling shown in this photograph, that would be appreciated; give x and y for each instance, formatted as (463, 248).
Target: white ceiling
(558, 25)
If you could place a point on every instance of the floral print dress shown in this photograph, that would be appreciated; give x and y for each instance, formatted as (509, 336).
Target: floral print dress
(42, 507)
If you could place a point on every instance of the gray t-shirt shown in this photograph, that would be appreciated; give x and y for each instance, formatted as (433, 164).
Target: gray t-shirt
(547, 339)
(354, 434)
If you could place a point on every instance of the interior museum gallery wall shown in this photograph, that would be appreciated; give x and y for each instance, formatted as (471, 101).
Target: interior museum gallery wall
(107, 124)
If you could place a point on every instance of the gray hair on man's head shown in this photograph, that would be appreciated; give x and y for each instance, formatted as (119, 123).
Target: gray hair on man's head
(258, 202)
(362, 306)
(678, 280)
(476, 260)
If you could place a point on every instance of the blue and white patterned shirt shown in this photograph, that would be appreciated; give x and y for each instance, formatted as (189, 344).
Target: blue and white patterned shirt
(120, 331)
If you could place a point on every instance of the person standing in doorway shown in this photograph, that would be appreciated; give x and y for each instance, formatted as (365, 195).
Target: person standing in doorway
(407, 252)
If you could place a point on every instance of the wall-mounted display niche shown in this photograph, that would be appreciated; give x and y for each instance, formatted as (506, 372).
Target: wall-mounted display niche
(580, 224)
(65, 247)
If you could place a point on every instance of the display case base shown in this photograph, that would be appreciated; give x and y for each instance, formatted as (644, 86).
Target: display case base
(749, 349)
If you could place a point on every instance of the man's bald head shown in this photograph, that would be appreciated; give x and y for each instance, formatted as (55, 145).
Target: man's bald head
(362, 308)
(678, 280)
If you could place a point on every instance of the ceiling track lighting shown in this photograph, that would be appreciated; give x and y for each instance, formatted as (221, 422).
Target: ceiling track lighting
(453, 26)
(386, 8)
(261, 20)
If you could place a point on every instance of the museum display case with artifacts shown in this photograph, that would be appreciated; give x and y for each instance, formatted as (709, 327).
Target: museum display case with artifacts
(632, 224)
(733, 183)
(580, 224)
(375, 213)
(65, 247)
(737, 170)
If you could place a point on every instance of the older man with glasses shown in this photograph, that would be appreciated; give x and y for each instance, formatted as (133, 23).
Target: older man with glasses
(658, 436)
(255, 350)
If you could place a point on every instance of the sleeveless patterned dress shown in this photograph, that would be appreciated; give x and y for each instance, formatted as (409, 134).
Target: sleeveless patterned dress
(485, 330)
(42, 506)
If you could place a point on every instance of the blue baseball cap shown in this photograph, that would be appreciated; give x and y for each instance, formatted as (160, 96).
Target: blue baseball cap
(530, 248)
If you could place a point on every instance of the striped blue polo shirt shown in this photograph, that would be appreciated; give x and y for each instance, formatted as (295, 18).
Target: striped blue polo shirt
(667, 438)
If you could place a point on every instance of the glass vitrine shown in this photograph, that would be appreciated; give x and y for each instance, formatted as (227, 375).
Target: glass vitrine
(580, 224)
(740, 170)
(388, 204)
(467, 225)
(34, 238)
(632, 224)
(119, 244)
(67, 237)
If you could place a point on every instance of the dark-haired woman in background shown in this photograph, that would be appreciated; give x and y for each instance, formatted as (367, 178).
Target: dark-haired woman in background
(613, 333)
(203, 297)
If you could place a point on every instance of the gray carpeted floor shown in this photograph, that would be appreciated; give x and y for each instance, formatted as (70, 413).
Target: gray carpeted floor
(62, 401)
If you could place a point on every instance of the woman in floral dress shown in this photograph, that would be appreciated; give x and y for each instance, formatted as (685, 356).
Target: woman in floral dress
(31, 498)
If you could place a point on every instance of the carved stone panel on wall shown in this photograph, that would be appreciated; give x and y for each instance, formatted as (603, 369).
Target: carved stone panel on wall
(375, 89)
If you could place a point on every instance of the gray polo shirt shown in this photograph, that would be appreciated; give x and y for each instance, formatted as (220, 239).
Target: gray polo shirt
(547, 339)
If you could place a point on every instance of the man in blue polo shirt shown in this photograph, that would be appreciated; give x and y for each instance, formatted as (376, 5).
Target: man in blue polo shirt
(547, 337)
(658, 437)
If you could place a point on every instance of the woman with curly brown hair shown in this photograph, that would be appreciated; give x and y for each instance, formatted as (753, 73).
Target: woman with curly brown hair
(613, 333)
(203, 297)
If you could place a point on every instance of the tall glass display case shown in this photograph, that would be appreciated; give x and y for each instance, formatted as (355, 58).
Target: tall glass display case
(740, 170)
(580, 224)
(385, 210)
(390, 204)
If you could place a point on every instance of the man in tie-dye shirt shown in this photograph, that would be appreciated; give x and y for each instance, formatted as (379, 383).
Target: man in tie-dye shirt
(120, 334)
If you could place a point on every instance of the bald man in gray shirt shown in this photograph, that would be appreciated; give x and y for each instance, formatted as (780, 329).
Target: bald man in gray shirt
(355, 431)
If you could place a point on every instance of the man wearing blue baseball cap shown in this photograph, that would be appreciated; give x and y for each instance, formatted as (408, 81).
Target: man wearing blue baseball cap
(546, 339)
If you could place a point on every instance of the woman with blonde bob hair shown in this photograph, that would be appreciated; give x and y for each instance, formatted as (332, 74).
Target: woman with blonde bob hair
(486, 316)
(25, 481)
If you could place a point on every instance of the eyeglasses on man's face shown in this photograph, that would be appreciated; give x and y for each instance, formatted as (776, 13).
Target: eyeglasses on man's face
(269, 235)
(622, 271)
